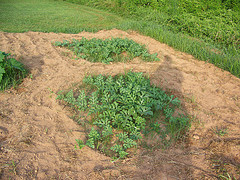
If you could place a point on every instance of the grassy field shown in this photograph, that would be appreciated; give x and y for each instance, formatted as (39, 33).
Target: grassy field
(209, 33)
(52, 16)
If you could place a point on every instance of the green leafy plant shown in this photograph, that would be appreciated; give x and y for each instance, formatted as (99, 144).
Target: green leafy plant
(109, 50)
(80, 144)
(220, 131)
(11, 71)
(119, 109)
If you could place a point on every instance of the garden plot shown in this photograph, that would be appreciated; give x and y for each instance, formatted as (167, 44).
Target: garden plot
(38, 134)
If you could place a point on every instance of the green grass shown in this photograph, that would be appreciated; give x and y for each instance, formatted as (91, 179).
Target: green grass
(52, 16)
(213, 20)
(121, 108)
(210, 32)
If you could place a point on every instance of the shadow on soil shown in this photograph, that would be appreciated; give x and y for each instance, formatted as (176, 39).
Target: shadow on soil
(158, 158)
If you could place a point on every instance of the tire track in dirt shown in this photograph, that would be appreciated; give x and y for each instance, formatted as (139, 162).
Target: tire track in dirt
(42, 135)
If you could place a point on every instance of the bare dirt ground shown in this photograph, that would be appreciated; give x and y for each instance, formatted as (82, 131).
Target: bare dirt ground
(37, 135)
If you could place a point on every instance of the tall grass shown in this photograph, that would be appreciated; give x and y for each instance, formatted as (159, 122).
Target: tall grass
(225, 58)
(209, 30)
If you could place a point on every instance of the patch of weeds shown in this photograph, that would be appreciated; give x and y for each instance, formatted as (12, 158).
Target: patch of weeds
(121, 109)
(109, 50)
(190, 98)
(13, 167)
(11, 71)
(80, 144)
(223, 169)
(220, 131)
(227, 177)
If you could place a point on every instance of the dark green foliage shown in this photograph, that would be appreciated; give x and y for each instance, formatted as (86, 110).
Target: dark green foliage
(207, 29)
(109, 50)
(121, 107)
(212, 20)
(11, 71)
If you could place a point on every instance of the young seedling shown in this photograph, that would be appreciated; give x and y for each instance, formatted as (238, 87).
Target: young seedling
(80, 144)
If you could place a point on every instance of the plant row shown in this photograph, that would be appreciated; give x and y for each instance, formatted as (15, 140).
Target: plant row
(109, 50)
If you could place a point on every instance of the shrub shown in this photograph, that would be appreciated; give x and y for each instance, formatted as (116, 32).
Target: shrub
(11, 71)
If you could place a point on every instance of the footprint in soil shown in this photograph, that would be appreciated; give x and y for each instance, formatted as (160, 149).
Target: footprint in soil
(34, 64)
(3, 133)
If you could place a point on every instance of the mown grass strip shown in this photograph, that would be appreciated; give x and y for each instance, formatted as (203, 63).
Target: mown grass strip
(52, 16)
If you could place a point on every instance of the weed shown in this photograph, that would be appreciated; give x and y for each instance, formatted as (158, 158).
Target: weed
(109, 50)
(11, 71)
(80, 144)
(220, 131)
(227, 177)
(121, 108)
(13, 167)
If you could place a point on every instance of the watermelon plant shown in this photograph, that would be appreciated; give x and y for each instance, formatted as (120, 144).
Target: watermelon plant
(11, 71)
(118, 110)
(109, 50)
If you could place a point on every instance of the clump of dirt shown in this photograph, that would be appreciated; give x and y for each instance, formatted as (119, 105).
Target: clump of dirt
(37, 134)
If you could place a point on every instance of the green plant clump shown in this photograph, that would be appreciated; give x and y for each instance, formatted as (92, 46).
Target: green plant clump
(11, 71)
(109, 50)
(119, 109)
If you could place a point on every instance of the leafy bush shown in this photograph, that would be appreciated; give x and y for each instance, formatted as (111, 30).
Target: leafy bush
(109, 50)
(119, 109)
(11, 71)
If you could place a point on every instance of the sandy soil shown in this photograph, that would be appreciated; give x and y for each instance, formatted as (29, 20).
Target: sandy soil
(37, 135)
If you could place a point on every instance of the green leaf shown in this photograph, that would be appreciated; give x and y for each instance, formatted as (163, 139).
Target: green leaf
(122, 154)
(90, 143)
(16, 64)
(2, 56)
(2, 71)
(80, 143)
